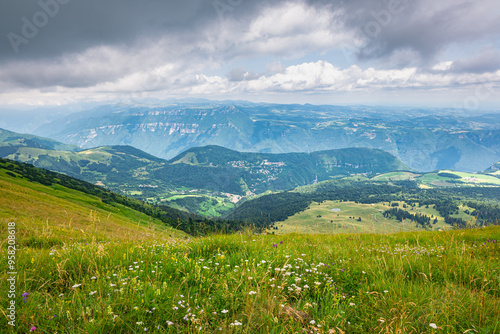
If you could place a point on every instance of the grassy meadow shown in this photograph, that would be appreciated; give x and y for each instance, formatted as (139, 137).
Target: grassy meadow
(416, 282)
(319, 218)
(439, 179)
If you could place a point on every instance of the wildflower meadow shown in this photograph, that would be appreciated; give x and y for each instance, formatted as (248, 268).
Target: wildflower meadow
(419, 282)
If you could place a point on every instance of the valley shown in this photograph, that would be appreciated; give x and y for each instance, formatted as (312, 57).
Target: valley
(207, 180)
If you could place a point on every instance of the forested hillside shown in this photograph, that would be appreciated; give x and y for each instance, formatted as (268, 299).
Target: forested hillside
(482, 202)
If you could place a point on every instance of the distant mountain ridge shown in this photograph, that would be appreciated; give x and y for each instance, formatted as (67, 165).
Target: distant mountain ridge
(13, 140)
(425, 140)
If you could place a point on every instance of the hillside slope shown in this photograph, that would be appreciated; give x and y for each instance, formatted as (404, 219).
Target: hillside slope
(188, 222)
(494, 169)
(47, 214)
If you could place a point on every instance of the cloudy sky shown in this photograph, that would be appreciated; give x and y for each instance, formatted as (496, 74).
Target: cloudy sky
(407, 52)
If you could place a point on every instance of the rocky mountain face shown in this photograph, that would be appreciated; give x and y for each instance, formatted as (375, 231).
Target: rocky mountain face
(424, 140)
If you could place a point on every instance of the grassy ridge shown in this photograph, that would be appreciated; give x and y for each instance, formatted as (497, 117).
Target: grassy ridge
(397, 283)
(190, 223)
(9, 139)
(57, 214)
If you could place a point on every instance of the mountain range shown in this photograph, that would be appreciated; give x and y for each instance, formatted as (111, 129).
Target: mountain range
(424, 140)
(210, 168)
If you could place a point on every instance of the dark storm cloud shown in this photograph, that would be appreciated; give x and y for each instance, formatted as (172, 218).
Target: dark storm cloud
(386, 26)
(423, 26)
(80, 24)
(40, 39)
(66, 26)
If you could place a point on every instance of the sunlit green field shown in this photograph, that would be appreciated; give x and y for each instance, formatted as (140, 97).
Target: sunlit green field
(435, 180)
(319, 218)
(212, 206)
(396, 176)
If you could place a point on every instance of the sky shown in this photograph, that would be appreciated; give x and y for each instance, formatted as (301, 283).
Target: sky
(443, 53)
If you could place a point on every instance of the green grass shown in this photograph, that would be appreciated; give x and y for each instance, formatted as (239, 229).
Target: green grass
(357, 283)
(94, 155)
(319, 218)
(434, 180)
(189, 159)
(65, 214)
(467, 179)
(396, 176)
(206, 208)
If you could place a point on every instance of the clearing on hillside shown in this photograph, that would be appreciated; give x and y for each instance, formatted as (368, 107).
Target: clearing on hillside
(352, 218)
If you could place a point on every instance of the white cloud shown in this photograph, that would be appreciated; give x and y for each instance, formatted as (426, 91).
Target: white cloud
(319, 77)
(322, 76)
(288, 30)
(443, 66)
(295, 27)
